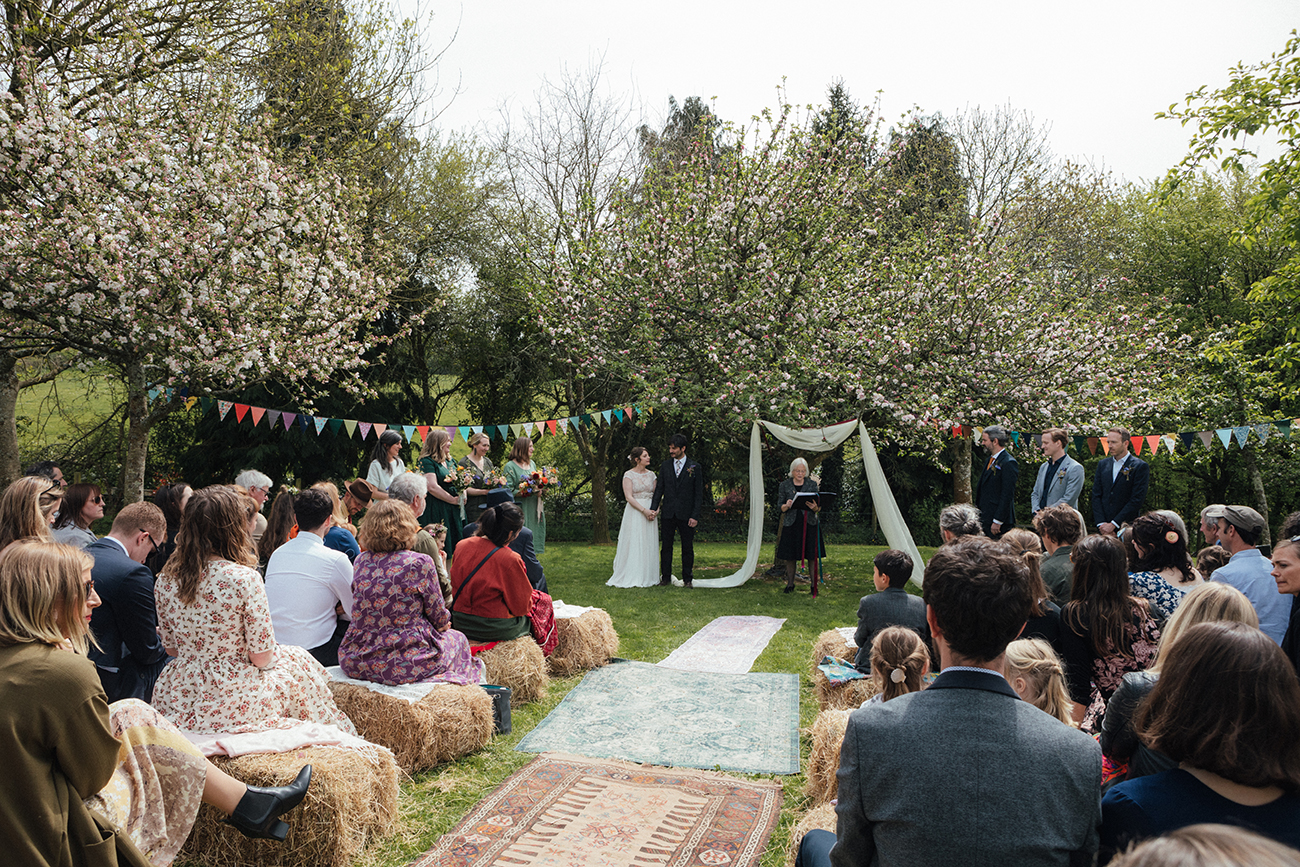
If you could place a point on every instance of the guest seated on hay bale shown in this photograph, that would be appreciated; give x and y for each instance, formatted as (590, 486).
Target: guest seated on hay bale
(413, 489)
(900, 662)
(491, 594)
(87, 782)
(1044, 615)
(401, 631)
(890, 605)
(959, 519)
(1037, 675)
(229, 674)
(521, 544)
(308, 585)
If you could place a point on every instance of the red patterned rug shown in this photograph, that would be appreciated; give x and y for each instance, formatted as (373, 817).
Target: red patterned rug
(571, 810)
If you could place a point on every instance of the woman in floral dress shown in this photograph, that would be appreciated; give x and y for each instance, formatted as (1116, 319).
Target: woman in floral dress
(229, 675)
(442, 505)
(520, 465)
(1163, 573)
(401, 630)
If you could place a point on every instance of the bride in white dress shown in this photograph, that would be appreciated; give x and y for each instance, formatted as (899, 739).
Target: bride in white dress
(637, 562)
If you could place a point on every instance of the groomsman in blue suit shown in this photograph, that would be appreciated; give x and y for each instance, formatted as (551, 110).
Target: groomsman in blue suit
(1120, 487)
(995, 496)
(1060, 479)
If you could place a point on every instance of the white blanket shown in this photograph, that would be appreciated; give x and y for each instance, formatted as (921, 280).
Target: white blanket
(276, 740)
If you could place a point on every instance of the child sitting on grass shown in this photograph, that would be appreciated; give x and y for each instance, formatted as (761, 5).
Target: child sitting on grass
(890, 605)
(899, 663)
(1037, 675)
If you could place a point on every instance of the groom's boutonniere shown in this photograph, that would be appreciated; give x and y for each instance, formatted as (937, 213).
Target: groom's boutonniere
(1060, 476)
(1124, 472)
(690, 471)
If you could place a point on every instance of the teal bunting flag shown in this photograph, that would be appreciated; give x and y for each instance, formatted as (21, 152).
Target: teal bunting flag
(465, 433)
(1241, 433)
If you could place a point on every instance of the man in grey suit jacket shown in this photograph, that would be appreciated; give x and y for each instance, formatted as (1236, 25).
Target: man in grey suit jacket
(1060, 479)
(965, 772)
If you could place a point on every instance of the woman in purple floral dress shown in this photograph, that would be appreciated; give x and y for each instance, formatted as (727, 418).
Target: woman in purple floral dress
(401, 631)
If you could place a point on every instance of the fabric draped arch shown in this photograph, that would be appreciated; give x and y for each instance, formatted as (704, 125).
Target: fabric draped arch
(819, 439)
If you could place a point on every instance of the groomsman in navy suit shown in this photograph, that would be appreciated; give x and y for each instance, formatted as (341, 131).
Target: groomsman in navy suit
(995, 496)
(1120, 487)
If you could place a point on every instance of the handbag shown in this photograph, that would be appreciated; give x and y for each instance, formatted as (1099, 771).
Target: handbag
(541, 620)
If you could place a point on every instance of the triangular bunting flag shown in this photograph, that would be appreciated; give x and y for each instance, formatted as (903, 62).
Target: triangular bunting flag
(206, 403)
(190, 401)
(607, 415)
(350, 426)
(334, 425)
(465, 433)
(288, 418)
(409, 430)
(630, 411)
(1263, 430)
(1284, 428)
(1015, 438)
(477, 428)
(451, 430)
(1241, 432)
(540, 427)
(305, 422)
(562, 424)
(956, 431)
(551, 426)
(1225, 435)
(618, 414)
(365, 429)
(1105, 446)
(1038, 440)
(572, 421)
(320, 423)
(977, 432)
(1207, 436)
(154, 392)
(223, 407)
(1093, 442)
(272, 416)
(379, 429)
(1188, 437)
(585, 419)
(423, 430)
(241, 410)
(1080, 443)
(258, 412)
(1153, 440)
(1137, 443)
(1170, 442)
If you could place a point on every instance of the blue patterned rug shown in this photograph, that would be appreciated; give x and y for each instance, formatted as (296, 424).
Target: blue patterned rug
(685, 719)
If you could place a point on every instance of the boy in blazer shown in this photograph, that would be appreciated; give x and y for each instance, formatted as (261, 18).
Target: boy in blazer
(1060, 479)
(679, 501)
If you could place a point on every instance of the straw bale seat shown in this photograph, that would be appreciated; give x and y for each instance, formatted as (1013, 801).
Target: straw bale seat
(824, 760)
(585, 642)
(450, 722)
(829, 643)
(520, 665)
(821, 816)
(352, 800)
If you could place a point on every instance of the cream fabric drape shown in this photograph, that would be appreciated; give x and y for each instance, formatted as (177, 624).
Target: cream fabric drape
(819, 439)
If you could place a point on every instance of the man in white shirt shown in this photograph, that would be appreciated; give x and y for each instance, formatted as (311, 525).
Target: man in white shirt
(1120, 487)
(309, 586)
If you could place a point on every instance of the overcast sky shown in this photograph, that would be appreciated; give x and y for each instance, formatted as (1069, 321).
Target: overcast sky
(1097, 72)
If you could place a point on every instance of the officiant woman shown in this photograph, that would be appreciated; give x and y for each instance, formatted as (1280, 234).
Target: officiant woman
(800, 534)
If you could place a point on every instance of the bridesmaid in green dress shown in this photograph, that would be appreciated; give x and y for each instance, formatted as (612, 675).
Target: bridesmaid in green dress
(520, 465)
(478, 461)
(442, 505)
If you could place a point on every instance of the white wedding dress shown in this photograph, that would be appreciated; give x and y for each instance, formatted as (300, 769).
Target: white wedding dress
(636, 564)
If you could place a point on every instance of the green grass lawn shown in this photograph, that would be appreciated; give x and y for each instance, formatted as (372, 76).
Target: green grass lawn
(650, 623)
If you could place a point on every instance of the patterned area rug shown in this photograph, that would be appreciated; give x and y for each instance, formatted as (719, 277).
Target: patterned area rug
(567, 810)
(726, 644)
(682, 719)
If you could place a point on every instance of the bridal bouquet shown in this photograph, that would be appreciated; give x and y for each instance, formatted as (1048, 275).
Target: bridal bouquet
(538, 482)
(472, 477)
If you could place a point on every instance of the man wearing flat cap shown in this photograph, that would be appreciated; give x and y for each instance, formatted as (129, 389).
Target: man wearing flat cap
(1240, 528)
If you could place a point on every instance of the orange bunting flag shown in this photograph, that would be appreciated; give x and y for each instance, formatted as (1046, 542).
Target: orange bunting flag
(550, 425)
(1137, 443)
(258, 412)
(1154, 441)
(379, 429)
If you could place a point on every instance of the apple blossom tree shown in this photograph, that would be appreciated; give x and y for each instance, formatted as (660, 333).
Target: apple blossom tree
(163, 239)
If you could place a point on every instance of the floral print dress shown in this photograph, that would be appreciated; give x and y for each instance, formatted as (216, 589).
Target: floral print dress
(398, 616)
(211, 686)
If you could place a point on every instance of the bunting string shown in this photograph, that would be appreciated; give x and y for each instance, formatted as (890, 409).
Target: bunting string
(1241, 435)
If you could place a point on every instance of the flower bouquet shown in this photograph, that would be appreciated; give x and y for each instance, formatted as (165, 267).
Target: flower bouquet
(538, 482)
(471, 476)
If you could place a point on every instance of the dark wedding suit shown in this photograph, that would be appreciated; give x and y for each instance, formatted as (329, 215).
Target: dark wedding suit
(678, 499)
(125, 624)
(1119, 500)
(995, 495)
(965, 772)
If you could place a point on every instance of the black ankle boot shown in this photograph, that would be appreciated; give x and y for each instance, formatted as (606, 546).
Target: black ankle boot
(258, 813)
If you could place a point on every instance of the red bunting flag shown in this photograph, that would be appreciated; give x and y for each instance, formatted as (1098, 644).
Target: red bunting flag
(1154, 441)
(423, 431)
(551, 425)
(1137, 443)
(241, 410)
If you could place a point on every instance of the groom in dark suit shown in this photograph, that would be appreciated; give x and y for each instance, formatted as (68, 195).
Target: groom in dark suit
(678, 500)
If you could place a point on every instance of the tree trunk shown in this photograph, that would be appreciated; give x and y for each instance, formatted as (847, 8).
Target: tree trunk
(10, 467)
(137, 435)
(961, 454)
(1257, 488)
(599, 500)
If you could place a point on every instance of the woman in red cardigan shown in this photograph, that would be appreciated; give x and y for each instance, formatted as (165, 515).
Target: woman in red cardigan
(491, 596)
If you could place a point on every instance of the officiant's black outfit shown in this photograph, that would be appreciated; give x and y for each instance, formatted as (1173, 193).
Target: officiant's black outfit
(679, 497)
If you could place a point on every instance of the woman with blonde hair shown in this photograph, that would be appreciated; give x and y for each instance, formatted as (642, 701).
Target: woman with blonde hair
(27, 508)
(229, 674)
(1211, 602)
(401, 629)
(85, 780)
(1038, 676)
(481, 465)
(1044, 614)
(442, 505)
(518, 467)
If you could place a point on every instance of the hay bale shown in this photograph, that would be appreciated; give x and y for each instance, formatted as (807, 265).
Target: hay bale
(585, 642)
(518, 664)
(829, 643)
(824, 761)
(822, 816)
(352, 800)
(842, 696)
(450, 722)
